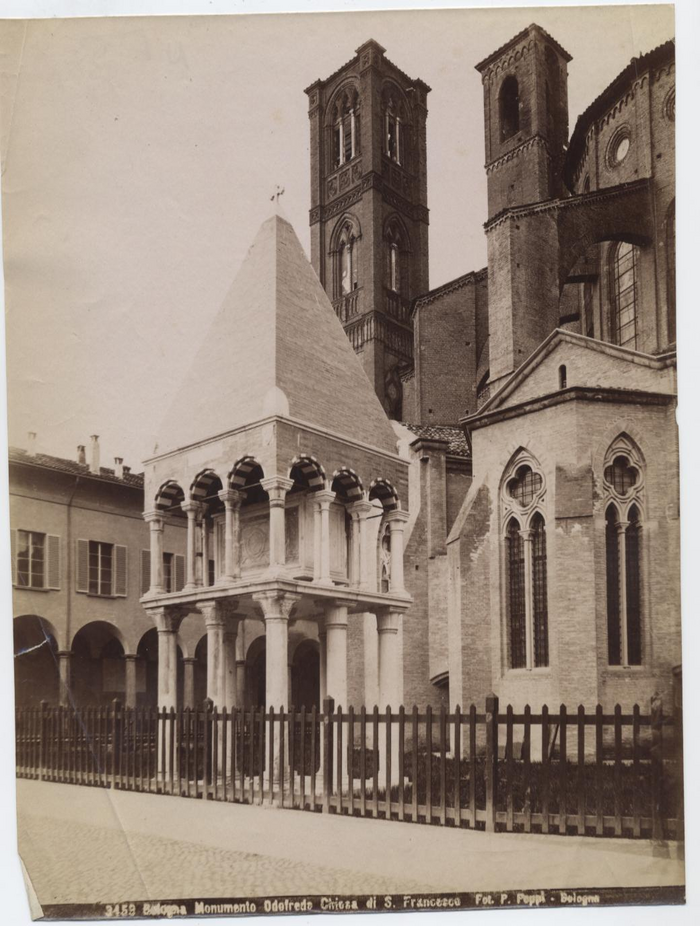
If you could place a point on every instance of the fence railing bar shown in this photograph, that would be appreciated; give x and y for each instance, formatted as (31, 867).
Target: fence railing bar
(350, 752)
(599, 826)
(443, 766)
(457, 752)
(617, 777)
(429, 765)
(563, 770)
(375, 761)
(472, 766)
(414, 764)
(401, 757)
(509, 769)
(581, 770)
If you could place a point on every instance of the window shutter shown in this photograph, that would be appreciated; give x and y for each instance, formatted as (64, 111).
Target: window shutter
(53, 561)
(145, 571)
(119, 571)
(179, 572)
(13, 554)
(81, 563)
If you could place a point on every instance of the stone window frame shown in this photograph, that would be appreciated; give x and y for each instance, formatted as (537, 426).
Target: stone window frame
(526, 517)
(345, 247)
(343, 119)
(612, 159)
(623, 504)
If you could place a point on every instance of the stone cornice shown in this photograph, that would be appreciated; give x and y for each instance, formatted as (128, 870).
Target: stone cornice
(369, 181)
(572, 394)
(277, 419)
(467, 279)
(536, 140)
(569, 202)
(519, 46)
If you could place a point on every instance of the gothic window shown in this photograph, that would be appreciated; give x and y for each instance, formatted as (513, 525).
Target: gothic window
(345, 128)
(346, 259)
(396, 258)
(623, 482)
(623, 303)
(396, 126)
(526, 568)
(509, 107)
(393, 395)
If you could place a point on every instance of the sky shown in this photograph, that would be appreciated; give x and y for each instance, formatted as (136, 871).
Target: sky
(138, 161)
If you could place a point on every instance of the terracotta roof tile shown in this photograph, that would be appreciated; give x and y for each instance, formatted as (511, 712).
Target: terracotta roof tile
(61, 465)
(457, 442)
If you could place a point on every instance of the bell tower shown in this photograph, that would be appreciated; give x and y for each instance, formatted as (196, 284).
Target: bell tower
(369, 210)
(526, 117)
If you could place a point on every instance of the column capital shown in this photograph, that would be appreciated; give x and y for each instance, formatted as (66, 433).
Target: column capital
(166, 619)
(361, 508)
(189, 660)
(64, 653)
(231, 497)
(218, 611)
(131, 657)
(191, 509)
(622, 526)
(323, 499)
(155, 519)
(388, 621)
(276, 488)
(397, 518)
(276, 605)
(526, 533)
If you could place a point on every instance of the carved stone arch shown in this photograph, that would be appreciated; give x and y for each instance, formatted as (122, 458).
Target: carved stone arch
(345, 96)
(522, 488)
(347, 225)
(385, 493)
(393, 96)
(307, 472)
(622, 428)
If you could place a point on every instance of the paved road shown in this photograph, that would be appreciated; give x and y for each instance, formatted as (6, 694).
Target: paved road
(94, 845)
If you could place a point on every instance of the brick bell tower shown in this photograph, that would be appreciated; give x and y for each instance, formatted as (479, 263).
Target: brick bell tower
(526, 127)
(369, 212)
(526, 115)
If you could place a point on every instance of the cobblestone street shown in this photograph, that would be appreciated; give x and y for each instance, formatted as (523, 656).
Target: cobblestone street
(94, 845)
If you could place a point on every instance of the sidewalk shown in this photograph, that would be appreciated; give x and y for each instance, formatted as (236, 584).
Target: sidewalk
(95, 845)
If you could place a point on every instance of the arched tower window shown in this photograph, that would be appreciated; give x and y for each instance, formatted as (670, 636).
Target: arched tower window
(396, 125)
(346, 257)
(509, 107)
(526, 566)
(624, 258)
(623, 483)
(396, 253)
(345, 127)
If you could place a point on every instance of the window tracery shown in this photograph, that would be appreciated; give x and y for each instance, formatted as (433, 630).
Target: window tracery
(623, 482)
(345, 127)
(525, 539)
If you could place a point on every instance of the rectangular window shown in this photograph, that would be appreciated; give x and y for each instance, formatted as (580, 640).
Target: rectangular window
(169, 572)
(100, 570)
(31, 560)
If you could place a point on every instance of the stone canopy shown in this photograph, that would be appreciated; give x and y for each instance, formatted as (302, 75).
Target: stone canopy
(276, 347)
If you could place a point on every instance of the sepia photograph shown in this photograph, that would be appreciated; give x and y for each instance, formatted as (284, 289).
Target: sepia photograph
(343, 488)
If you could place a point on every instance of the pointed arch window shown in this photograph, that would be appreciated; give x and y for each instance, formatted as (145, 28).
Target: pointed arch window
(624, 259)
(396, 258)
(347, 254)
(526, 569)
(623, 480)
(345, 128)
(509, 107)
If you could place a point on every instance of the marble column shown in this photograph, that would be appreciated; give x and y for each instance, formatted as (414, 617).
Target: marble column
(397, 522)
(277, 488)
(191, 509)
(390, 688)
(276, 608)
(322, 524)
(167, 621)
(360, 512)
(156, 523)
(232, 535)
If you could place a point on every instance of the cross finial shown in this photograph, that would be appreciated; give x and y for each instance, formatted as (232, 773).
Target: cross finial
(279, 191)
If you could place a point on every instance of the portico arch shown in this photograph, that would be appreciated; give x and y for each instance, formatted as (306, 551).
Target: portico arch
(98, 667)
(36, 661)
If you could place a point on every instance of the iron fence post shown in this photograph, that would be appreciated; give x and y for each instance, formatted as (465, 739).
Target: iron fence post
(328, 707)
(491, 761)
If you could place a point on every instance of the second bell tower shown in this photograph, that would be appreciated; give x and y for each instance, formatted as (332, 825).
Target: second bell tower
(369, 209)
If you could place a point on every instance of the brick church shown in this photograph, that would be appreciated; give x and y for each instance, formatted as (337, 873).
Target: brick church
(412, 495)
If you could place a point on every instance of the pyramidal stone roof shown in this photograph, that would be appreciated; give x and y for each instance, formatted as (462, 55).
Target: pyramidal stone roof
(276, 347)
